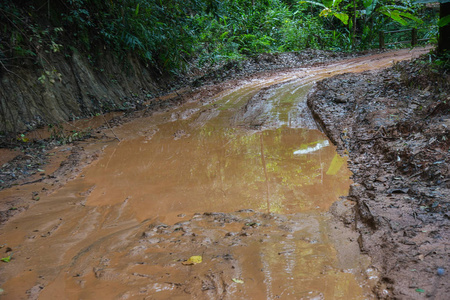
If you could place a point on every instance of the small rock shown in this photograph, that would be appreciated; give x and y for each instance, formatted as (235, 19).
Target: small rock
(398, 191)
(35, 196)
(153, 240)
(147, 234)
(382, 179)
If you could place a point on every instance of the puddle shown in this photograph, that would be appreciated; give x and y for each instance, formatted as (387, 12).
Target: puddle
(123, 227)
(217, 169)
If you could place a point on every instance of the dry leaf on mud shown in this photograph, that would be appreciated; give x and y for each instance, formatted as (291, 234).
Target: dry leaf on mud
(238, 280)
(193, 260)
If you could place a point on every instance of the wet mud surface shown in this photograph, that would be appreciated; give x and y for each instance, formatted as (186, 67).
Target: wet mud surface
(395, 126)
(237, 173)
(243, 255)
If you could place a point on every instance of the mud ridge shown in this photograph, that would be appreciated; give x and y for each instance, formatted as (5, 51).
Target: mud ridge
(394, 124)
(70, 167)
(254, 114)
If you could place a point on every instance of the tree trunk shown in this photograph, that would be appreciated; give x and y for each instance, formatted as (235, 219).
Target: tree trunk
(444, 32)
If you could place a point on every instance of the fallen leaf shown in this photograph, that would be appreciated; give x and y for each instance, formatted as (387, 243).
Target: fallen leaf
(6, 259)
(193, 260)
(238, 280)
(420, 290)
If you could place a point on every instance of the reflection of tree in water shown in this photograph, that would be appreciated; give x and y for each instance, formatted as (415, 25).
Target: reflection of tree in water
(234, 169)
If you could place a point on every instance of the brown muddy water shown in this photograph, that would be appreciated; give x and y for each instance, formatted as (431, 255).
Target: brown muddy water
(242, 178)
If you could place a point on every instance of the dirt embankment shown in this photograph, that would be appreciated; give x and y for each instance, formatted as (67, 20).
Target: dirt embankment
(70, 87)
(395, 125)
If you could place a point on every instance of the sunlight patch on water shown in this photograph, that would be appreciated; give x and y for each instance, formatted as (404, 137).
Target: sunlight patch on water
(310, 149)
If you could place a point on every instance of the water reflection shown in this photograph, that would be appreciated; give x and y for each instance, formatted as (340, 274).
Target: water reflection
(220, 169)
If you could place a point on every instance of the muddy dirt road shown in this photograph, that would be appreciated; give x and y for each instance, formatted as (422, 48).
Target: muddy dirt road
(239, 175)
(394, 123)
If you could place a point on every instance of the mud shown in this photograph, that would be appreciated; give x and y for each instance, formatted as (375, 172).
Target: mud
(121, 217)
(394, 124)
(242, 255)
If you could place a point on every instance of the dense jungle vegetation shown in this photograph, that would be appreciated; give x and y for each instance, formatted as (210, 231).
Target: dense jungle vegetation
(175, 35)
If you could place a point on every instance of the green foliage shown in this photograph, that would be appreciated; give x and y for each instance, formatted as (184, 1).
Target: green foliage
(277, 26)
(331, 8)
(171, 35)
(442, 60)
(366, 18)
(158, 31)
(399, 13)
(444, 21)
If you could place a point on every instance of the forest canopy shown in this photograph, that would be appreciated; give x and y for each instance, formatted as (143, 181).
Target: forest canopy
(173, 35)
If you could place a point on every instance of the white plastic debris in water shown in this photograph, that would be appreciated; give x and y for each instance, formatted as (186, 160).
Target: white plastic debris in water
(318, 146)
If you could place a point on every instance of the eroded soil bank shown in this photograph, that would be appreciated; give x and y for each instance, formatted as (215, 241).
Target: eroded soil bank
(73, 87)
(394, 124)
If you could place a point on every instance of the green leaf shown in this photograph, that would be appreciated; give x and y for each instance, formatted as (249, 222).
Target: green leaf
(394, 15)
(336, 3)
(395, 7)
(410, 16)
(6, 259)
(328, 3)
(238, 280)
(224, 35)
(370, 5)
(341, 16)
(444, 21)
(420, 290)
(136, 11)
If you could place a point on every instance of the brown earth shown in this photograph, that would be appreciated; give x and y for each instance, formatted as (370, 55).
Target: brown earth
(394, 124)
(401, 223)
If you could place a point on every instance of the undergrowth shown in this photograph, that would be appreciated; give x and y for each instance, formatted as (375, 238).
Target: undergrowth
(174, 35)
